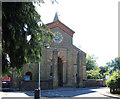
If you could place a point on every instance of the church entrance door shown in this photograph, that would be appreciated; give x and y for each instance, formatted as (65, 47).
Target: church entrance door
(60, 72)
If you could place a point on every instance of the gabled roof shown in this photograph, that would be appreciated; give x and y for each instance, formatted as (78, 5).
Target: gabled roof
(63, 27)
(78, 49)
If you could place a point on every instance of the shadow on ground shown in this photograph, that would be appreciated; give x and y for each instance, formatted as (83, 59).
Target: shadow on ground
(63, 92)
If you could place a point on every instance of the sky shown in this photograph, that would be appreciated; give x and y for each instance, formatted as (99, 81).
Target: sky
(95, 23)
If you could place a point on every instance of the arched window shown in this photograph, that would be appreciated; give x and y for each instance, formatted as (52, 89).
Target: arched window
(28, 76)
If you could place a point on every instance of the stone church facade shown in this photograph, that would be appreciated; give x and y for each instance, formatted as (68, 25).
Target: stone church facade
(62, 65)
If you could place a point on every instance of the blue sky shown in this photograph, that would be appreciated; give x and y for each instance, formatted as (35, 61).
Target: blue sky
(95, 23)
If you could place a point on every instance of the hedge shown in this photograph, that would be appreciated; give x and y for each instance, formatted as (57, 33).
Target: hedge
(114, 83)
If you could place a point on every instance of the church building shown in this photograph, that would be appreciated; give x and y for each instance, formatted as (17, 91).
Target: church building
(62, 65)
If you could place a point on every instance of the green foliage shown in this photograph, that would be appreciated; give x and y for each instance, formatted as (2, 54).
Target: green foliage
(20, 20)
(94, 74)
(113, 65)
(93, 71)
(114, 81)
(91, 62)
(106, 73)
(103, 69)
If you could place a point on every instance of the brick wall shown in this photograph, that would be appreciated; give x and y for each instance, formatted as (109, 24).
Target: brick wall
(32, 85)
(94, 83)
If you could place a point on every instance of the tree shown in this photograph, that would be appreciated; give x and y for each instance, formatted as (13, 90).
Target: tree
(103, 69)
(94, 74)
(91, 62)
(93, 71)
(113, 65)
(20, 21)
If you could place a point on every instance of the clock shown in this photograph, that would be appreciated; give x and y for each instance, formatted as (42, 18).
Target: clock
(58, 37)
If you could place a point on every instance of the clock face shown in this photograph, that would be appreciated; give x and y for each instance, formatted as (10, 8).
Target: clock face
(58, 37)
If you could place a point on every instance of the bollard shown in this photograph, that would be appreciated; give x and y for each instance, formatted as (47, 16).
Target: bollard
(37, 94)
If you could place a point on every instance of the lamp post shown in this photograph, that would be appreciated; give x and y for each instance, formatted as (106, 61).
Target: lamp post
(37, 93)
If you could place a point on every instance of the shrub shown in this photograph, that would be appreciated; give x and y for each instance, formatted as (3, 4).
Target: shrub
(114, 82)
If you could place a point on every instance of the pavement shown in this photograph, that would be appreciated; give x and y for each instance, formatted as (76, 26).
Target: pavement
(79, 92)
(71, 92)
(107, 93)
(68, 92)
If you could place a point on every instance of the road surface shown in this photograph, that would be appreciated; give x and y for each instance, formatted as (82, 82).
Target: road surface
(61, 92)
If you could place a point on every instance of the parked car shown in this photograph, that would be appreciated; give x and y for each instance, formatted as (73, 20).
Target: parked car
(6, 84)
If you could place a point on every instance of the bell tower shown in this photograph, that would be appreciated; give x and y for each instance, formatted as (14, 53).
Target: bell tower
(56, 17)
